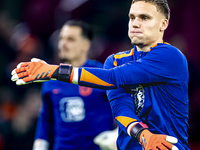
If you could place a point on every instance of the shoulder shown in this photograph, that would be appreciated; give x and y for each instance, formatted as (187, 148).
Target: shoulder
(117, 59)
(93, 63)
(124, 54)
(168, 47)
(168, 51)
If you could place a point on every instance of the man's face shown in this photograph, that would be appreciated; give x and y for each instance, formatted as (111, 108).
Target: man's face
(145, 24)
(71, 43)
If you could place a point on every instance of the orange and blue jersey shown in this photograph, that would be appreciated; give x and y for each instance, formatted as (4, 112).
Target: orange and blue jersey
(151, 87)
(72, 115)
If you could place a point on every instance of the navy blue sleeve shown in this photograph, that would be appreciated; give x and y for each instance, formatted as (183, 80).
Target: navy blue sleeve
(163, 64)
(121, 102)
(45, 129)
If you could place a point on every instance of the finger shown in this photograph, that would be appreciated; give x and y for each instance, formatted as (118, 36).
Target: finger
(162, 147)
(37, 60)
(22, 64)
(21, 69)
(167, 144)
(171, 139)
(20, 82)
(159, 146)
(101, 137)
(174, 147)
(22, 75)
(14, 77)
(13, 72)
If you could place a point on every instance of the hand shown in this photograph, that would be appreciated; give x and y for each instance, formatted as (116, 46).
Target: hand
(40, 144)
(151, 141)
(35, 71)
(107, 140)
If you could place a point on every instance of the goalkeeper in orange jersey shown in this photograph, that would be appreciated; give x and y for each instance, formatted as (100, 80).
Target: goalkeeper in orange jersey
(147, 86)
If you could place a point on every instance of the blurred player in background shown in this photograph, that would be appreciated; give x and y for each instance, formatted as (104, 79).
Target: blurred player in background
(147, 86)
(71, 119)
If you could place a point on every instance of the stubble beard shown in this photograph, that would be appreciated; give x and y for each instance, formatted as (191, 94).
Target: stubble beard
(63, 60)
(137, 43)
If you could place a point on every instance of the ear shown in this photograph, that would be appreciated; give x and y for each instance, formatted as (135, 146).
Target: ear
(86, 45)
(164, 25)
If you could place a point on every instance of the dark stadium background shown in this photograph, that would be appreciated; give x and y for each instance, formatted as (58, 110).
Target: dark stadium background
(29, 28)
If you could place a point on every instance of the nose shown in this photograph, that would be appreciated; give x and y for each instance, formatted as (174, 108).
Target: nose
(135, 23)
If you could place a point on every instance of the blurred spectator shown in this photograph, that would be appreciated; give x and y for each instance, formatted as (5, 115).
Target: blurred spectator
(18, 132)
(7, 103)
(25, 43)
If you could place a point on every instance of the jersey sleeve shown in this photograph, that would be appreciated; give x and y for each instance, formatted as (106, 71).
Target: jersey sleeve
(162, 64)
(44, 129)
(121, 103)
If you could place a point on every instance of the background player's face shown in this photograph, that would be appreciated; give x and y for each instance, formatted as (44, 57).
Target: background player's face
(146, 24)
(71, 44)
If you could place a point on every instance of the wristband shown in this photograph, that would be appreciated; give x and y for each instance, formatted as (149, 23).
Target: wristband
(137, 130)
(64, 72)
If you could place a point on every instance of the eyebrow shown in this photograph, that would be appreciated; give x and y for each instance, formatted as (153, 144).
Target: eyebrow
(140, 15)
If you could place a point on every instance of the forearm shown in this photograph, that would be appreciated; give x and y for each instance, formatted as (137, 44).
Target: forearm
(118, 77)
(43, 135)
(123, 112)
(95, 78)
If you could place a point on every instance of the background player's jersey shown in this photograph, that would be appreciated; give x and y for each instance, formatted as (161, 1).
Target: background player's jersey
(162, 105)
(73, 115)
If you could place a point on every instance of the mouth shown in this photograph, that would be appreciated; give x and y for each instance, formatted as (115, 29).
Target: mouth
(64, 50)
(136, 32)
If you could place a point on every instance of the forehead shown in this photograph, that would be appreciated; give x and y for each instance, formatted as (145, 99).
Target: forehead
(70, 31)
(142, 7)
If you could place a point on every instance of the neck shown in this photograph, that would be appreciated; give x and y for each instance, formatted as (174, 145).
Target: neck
(146, 48)
(78, 62)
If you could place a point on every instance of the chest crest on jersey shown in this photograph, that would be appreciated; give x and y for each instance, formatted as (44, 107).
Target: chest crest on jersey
(85, 91)
(72, 109)
(139, 98)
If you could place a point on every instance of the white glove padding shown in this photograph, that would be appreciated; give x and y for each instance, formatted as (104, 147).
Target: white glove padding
(107, 140)
(40, 144)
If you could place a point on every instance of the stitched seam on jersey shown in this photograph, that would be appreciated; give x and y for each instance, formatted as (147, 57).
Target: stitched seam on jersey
(119, 56)
(157, 45)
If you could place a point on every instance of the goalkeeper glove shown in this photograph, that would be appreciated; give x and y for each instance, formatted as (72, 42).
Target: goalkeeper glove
(39, 71)
(107, 140)
(40, 144)
(150, 141)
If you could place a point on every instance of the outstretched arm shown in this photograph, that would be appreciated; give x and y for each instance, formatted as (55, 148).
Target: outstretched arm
(157, 66)
(39, 71)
